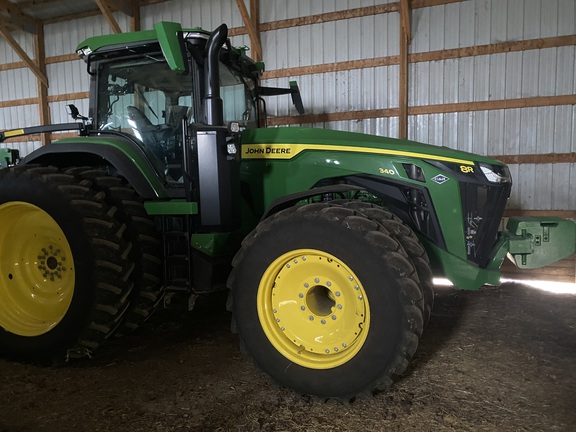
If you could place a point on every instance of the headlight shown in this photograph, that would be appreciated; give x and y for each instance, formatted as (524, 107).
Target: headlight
(496, 173)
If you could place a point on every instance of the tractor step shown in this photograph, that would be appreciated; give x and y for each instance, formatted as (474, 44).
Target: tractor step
(177, 262)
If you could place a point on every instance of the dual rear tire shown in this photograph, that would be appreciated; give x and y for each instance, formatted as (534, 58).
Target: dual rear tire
(67, 265)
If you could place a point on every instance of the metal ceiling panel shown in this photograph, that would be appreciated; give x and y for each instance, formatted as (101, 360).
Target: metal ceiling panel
(46, 9)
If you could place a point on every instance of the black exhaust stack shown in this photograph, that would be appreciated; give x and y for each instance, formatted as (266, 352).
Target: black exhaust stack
(218, 167)
(213, 108)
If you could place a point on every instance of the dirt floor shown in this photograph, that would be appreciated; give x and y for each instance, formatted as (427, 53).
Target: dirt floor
(501, 359)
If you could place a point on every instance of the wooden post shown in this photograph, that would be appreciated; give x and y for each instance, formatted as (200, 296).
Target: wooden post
(255, 15)
(135, 16)
(43, 107)
(403, 84)
(251, 28)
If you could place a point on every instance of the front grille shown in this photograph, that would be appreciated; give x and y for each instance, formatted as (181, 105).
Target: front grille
(483, 207)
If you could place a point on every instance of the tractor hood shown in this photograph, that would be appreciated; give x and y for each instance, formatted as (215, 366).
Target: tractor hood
(289, 142)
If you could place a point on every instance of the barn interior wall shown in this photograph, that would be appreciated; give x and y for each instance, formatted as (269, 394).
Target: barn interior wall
(530, 128)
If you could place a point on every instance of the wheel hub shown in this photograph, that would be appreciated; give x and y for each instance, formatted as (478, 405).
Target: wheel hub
(51, 262)
(313, 309)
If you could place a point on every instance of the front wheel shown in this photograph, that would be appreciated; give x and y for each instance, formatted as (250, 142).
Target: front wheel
(323, 303)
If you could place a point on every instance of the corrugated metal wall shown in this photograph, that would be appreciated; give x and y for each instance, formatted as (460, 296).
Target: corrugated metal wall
(499, 76)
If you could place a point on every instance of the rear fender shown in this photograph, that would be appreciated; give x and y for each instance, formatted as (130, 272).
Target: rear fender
(127, 161)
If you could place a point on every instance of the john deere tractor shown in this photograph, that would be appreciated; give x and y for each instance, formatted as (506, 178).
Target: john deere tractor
(174, 187)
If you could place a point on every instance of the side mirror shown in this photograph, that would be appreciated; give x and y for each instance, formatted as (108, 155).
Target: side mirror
(294, 91)
(296, 97)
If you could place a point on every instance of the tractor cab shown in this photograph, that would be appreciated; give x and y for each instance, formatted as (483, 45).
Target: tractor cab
(137, 93)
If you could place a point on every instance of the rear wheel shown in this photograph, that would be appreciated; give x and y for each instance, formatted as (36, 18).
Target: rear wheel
(323, 304)
(146, 250)
(65, 273)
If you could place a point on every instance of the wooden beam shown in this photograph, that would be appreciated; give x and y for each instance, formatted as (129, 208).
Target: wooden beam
(567, 214)
(62, 58)
(11, 16)
(252, 31)
(549, 158)
(18, 102)
(331, 67)
(405, 18)
(329, 117)
(43, 107)
(455, 53)
(322, 18)
(255, 15)
(135, 22)
(491, 105)
(533, 102)
(403, 84)
(68, 96)
(106, 9)
(22, 54)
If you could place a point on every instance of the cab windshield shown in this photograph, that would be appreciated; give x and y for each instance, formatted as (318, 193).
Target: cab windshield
(144, 98)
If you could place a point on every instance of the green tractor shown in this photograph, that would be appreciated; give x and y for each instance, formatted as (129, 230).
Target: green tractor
(174, 187)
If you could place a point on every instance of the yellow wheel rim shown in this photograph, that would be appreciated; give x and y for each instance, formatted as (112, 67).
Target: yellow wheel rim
(36, 270)
(313, 309)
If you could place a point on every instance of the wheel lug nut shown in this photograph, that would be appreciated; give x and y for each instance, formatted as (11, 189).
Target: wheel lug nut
(336, 349)
(311, 318)
(301, 295)
(351, 278)
(316, 280)
(295, 261)
(275, 310)
(356, 287)
(360, 297)
(282, 328)
(287, 265)
(339, 306)
(344, 345)
(337, 293)
(327, 351)
(303, 258)
(323, 321)
(303, 308)
(328, 283)
(277, 319)
(333, 317)
(306, 285)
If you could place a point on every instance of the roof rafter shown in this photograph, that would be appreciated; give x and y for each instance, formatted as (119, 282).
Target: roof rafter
(22, 54)
(106, 9)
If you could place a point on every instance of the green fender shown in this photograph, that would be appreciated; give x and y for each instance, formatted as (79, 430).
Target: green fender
(127, 158)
